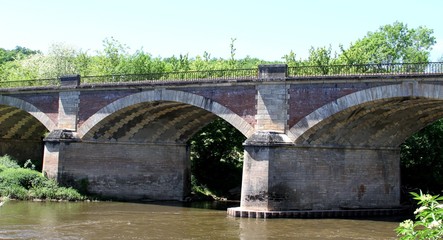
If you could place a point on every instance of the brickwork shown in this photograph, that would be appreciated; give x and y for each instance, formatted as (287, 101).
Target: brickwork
(167, 95)
(45, 102)
(307, 97)
(398, 105)
(240, 99)
(92, 101)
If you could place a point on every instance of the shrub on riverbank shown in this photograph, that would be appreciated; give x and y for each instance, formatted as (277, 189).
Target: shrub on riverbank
(27, 184)
(428, 222)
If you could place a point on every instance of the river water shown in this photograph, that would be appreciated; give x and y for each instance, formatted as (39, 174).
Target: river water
(115, 220)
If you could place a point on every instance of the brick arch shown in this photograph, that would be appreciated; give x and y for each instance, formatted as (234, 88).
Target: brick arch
(29, 108)
(168, 95)
(407, 102)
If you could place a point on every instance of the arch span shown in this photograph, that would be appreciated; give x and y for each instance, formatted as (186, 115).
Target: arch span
(379, 117)
(164, 101)
(29, 108)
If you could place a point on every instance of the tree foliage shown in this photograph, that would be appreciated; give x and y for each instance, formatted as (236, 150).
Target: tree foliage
(217, 157)
(15, 54)
(113, 59)
(422, 159)
(395, 43)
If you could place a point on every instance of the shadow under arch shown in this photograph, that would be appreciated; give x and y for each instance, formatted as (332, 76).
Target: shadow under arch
(164, 95)
(29, 108)
(382, 116)
(22, 128)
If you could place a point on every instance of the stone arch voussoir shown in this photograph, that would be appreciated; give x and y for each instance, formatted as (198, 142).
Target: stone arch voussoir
(168, 95)
(29, 108)
(406, 89)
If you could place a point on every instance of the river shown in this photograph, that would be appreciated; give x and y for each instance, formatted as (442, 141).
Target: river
(116, 220)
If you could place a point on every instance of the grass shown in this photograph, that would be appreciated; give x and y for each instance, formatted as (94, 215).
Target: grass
(26, 184)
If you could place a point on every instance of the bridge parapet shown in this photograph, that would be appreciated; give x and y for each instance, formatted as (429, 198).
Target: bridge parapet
(263, 73)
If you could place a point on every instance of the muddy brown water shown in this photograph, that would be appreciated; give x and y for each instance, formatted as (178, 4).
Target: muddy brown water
(115, 220)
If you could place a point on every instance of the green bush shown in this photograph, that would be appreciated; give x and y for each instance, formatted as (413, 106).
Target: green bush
(26, 184)
(429, 219)
(26, 178)
(69, 194)
(14, 192)
(7, 162)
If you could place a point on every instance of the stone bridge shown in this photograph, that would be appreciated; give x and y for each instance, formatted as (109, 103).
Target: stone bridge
(313, 142)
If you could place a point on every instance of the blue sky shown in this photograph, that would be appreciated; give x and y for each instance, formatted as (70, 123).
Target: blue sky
(263, 29)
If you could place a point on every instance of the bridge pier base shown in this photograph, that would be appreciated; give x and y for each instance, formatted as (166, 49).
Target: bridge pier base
(284, 180)
(128, 171)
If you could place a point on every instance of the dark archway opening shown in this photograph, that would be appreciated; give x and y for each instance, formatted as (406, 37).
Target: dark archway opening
(21, 137)
(217, 160)
(422, 161)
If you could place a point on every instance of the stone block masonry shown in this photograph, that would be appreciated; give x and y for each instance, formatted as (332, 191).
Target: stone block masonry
(68, 103)
(292, 178)
(272, 107)
(68, 110)
(272, 99)
(128, 171)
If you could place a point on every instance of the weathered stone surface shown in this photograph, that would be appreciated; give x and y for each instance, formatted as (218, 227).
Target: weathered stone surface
(272, 107)
(274, 72)
(51, 161)
(68, 110)
(315, 178)
(128, 171)
(265, 138)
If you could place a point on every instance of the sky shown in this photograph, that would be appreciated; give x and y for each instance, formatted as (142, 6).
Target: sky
(263, 29)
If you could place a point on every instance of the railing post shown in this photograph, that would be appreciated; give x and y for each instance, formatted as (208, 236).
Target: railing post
(70, 80)
(273, 72)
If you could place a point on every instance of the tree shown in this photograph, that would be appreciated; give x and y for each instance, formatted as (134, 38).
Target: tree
(10, 66)
(394, 43)
(217, 157)
(422, 159)
(15, 54)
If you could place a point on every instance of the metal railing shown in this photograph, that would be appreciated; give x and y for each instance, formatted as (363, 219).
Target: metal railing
(33, 83)
(231, 74)
(243, 74)
(366, 69)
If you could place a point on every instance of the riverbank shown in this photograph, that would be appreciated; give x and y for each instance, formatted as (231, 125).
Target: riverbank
(22, 183)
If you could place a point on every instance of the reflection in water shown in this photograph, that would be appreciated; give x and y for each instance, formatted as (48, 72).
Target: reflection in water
(110, 220)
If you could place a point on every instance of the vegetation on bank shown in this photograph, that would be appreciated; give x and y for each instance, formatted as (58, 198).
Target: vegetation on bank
(428, 219)
(27, 184)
